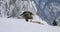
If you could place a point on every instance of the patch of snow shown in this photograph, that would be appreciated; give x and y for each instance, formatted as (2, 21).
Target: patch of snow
(36, 18)
(20, 25)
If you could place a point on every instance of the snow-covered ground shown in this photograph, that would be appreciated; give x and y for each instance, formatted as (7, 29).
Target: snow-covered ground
(20, 25)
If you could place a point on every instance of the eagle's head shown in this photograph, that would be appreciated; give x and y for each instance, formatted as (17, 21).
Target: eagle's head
(27, 15)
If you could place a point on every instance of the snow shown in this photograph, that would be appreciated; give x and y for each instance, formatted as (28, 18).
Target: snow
(36, 18)
(20, 25)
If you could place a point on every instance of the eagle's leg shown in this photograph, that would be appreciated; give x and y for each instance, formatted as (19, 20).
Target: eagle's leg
(26, 20)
